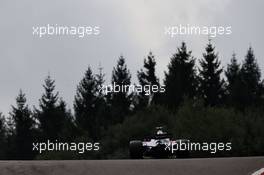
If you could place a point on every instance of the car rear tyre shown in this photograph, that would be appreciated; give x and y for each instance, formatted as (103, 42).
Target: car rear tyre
(136, 149)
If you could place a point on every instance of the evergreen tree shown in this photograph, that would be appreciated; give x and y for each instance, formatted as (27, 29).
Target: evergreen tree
(24, 128)
(147, 76)
(68, 129)
(234, 83)
(211, 84)
(3, 137)
(102, 109)
(51, 118)
(84, 100)
(180, 80)
(11, 148)
(232, 71)
(88, 100)
(100, 79)
(120, 100)
(250, 74)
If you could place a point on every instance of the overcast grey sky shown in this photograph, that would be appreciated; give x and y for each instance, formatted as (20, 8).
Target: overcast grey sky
(130, 28)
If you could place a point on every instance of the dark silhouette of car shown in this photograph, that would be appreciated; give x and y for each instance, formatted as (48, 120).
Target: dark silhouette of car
(158, 146)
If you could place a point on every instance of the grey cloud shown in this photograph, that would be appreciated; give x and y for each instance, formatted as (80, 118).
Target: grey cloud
(131, 28)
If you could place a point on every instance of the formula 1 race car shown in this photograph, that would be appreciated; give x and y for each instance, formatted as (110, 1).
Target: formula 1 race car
(158, 146)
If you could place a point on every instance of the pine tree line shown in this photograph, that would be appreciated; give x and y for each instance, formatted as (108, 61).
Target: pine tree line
(239, 86)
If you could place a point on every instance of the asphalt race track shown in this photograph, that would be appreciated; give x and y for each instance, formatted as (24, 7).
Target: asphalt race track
(217, 166)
